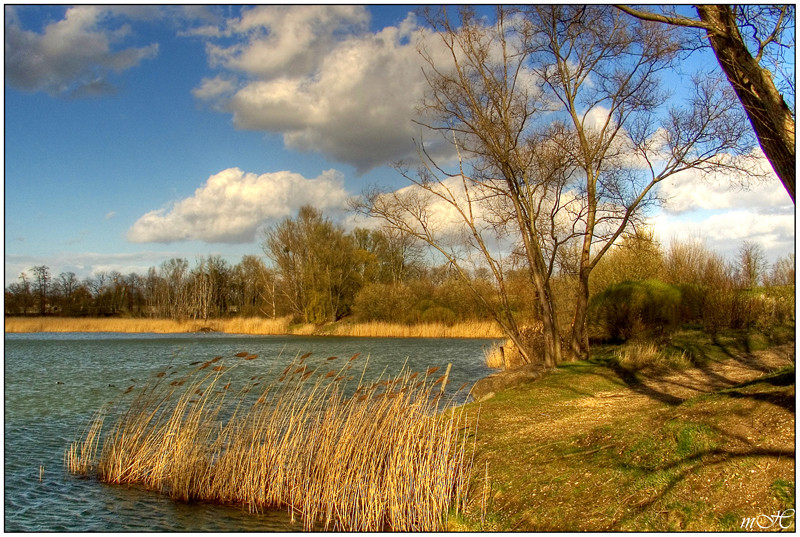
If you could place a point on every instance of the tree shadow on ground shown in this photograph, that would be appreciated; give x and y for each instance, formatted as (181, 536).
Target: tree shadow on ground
(673, 387)
(680, 469)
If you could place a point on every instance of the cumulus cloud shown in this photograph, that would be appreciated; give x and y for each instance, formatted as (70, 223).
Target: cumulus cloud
(316, 76)
(213, 89)
(233, 204)
(281, 40)
(726, 213)
(74, 56)
(689, 191)
(724, 232)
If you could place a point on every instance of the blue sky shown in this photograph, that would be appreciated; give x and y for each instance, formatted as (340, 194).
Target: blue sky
(135, 134)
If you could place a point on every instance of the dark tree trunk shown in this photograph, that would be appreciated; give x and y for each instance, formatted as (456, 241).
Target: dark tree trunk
(768, 112)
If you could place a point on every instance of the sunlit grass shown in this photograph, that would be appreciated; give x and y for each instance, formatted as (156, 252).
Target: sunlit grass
(312, 438)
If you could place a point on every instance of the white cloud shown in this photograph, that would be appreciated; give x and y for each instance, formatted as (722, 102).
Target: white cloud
(314, 75)
(725, 213)
(232, 205)
(724, 232)
(73, 56)
(281, 40)
(110, 215)
(689, 191)
(214, 88)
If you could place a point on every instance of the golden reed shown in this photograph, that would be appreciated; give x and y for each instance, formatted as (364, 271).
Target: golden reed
(252, 325)
(312, 438)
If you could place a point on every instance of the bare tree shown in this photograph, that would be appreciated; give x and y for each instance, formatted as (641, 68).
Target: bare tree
(752, 264)
(563, 132)
(783, 271)
(480, 96)
(626, 138)
(750, 42)
(67, 283)
(174, 295)
(41, 286)
(20, 295)
(254, 287)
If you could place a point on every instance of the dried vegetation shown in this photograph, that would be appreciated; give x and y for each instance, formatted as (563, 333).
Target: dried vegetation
(339, 454)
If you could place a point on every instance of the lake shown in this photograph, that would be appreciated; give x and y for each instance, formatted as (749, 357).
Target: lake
(54, 382)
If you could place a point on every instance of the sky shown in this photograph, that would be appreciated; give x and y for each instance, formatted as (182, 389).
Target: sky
(134, 134)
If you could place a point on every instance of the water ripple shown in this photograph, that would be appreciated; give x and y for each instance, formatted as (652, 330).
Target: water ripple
(55, 382)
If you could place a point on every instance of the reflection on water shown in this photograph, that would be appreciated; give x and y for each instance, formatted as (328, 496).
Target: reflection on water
(55, 382)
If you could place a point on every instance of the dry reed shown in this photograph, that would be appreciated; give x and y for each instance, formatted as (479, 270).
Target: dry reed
(342, 455)
(252, 325)
(234, 325)
(466, 329)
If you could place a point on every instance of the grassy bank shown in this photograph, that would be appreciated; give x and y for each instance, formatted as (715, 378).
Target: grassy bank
(606, 446)
(253, 326)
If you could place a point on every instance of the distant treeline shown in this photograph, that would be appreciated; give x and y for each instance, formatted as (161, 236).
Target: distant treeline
(315, 272)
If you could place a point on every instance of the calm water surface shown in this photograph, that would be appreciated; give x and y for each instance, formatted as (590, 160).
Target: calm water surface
(55, 382)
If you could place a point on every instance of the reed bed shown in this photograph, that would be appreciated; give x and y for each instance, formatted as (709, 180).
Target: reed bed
(340, 454)
(134, 325)
(466, 329)
(503, 355)
(252, 325)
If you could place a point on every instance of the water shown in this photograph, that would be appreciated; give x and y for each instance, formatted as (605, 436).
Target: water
(55, 382)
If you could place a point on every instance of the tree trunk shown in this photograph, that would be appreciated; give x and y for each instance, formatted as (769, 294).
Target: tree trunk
(768, 113)
(579, 338)
(550, 332)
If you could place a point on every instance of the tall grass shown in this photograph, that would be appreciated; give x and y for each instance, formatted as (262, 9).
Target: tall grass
(342, 455)
(254, 325)
(635, 355)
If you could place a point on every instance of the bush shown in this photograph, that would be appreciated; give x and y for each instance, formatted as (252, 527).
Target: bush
(382, 302)
(438, 314)
(628, 310)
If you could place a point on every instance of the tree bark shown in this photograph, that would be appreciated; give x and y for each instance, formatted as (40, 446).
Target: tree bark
(768, 113)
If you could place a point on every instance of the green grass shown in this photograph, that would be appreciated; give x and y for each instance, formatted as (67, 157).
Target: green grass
(580, 450)
(784, 493)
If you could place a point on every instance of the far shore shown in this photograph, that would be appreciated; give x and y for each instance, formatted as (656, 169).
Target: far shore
(252, 326)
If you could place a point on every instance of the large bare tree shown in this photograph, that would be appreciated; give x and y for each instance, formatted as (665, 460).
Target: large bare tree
(750, 42)
(563, 132)
(626, 135)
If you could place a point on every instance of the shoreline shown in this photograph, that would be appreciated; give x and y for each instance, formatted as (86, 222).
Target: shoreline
(252, 326)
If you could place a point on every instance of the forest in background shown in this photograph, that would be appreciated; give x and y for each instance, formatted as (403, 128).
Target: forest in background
(316, 272)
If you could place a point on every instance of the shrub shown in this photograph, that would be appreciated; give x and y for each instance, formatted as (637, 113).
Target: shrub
(382, 302)
(438, 314)
(635, 309)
